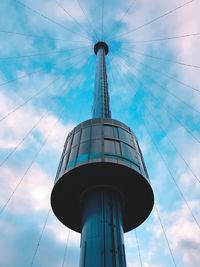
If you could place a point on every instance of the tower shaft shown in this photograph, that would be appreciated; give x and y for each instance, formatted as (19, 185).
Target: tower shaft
(102, 242)
(101, 107)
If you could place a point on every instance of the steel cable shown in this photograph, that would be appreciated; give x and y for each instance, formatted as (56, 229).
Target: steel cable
(31, 97)
(162, 39)
(153, 20)
(74, 19)
(167, 110)
(47, 18)
(173, 178)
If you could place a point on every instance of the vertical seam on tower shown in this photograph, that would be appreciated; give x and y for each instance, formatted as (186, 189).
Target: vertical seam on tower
(104, 234)
(119, 234)
(112, 230)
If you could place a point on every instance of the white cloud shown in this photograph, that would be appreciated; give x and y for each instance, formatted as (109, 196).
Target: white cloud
(188, 148)
(184, 234)
(61, 233)
(72, 8)
(32, 195)
(10, 132)
(17, 125)
(54, 131)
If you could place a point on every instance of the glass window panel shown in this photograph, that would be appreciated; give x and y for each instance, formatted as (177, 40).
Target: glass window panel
(108, 131)
(82, 158)
(76, 138)
(64, 163)
(110, 158)
(96, 131)
(128, 152)
(66, 141)
(115, 132)
(95, 155)
(68, 145)
(73, 153)
(124, 136)
(117, 147)
(96, 146)
(84, 148)
(109, 146)
(134, 143)
(71, 164)
(85, 134)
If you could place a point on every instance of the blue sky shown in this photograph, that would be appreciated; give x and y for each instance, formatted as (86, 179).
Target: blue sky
(47, 68)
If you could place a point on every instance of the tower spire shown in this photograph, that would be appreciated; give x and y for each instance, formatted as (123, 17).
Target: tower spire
(101, 107)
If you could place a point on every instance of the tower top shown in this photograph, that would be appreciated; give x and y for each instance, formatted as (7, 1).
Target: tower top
(99, 45)
(101, 107)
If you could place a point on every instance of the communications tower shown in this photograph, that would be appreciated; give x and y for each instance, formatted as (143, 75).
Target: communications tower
(102, 188)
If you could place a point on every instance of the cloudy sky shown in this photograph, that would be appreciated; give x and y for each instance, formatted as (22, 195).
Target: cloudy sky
(47, 68)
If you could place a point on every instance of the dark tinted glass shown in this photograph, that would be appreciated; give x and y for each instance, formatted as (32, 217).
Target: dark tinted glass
(124, 136)
(64, 163)
(76, 138)
(96, 146)
(84, 148)
(108, 131)
(85, 134)
(82, 158)
(96, 131)
(109, 146)
(115, 132)
(117, 148)
(128, 152)
(73, 153)
(68, 145)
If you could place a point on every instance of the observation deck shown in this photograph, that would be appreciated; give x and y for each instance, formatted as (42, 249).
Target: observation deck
(102, 152)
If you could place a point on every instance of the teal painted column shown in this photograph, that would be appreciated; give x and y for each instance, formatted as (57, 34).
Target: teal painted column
(102, 242)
